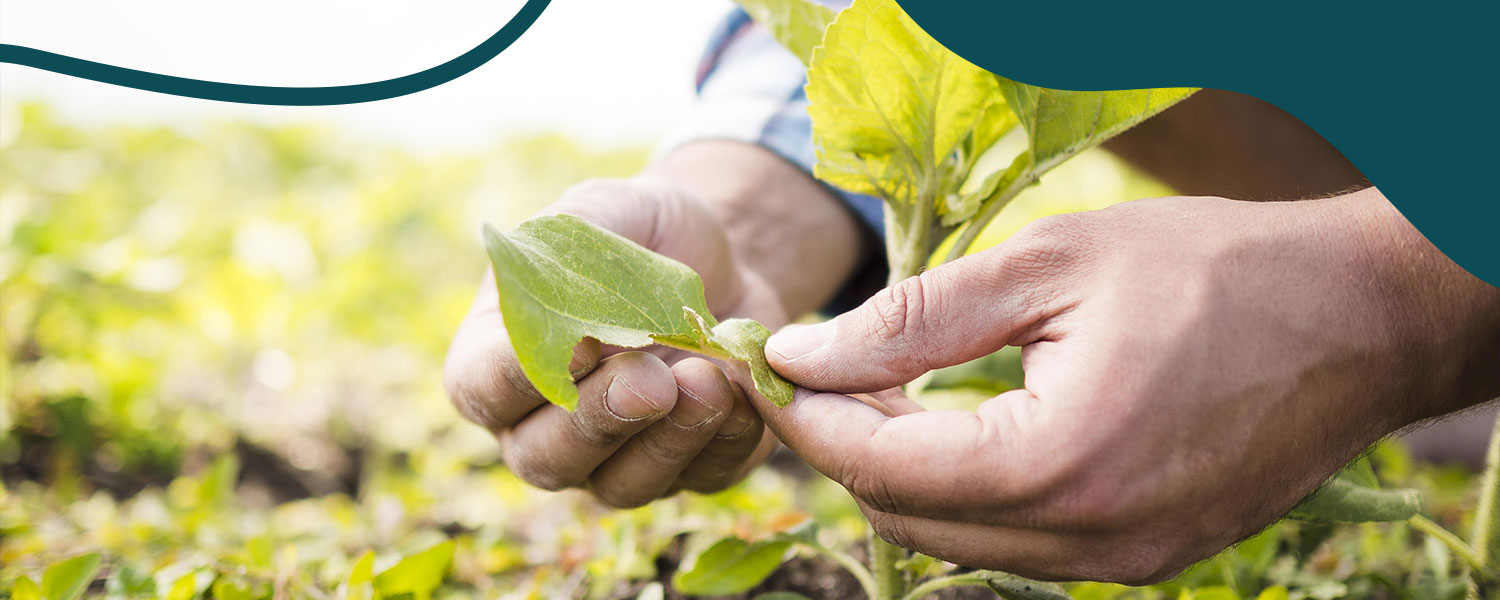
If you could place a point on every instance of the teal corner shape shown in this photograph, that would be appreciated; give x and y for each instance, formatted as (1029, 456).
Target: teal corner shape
(1406, 91)
(282, 96)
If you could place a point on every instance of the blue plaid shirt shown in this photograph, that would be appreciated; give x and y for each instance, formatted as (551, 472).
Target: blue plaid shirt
(750, 89)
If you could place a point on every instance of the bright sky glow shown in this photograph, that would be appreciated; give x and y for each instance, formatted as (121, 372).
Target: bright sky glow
(603, 71)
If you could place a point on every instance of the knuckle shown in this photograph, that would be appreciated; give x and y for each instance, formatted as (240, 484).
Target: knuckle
(1049, 239)
(898, 309)
(515, 382)
(599, 433)
(889, 528)
(872, 488)
(470, 398)
(536, 472)
(710, 479)
(1135, 563)
(708, 483)
(1061, 226)
(615, 497)
(664, 451)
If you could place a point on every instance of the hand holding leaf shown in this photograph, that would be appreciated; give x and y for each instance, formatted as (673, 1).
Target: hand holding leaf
(561, 279)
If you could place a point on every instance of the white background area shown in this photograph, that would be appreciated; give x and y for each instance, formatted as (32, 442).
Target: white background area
(604, 71)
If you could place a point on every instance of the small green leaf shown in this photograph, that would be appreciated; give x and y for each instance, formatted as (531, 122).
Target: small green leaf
(796, 24)
(418, 574)
(68, 579)
(781, 596)
(127, 582)
(1062, 123)
(745, 340)
(225, 589)
(184, 588)
(358, 585)
(1274, 592)
(217, 484)
(730, 566)
(362, 571)
(561, 279)
(806, 534)
(1352, 496)
(1014, 587)
(894, 113)
(1215, 592)
(25, 589)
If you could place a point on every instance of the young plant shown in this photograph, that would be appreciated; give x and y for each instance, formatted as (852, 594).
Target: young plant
(898, 116)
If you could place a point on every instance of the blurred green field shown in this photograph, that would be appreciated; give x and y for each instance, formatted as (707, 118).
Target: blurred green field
(222, 347)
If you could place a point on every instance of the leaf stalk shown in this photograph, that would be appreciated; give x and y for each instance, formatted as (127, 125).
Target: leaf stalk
(987, 212)
(931, 586)
(890, 581)
(865, 578)
(1461, 549)
(1486, 537)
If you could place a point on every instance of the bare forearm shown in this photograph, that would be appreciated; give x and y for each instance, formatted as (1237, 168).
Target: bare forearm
(1449, 318)
(780, 222)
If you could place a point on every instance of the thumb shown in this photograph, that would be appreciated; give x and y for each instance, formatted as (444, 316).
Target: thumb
(952, 314)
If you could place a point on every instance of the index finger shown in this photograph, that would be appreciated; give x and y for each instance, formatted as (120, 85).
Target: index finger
(940, 464)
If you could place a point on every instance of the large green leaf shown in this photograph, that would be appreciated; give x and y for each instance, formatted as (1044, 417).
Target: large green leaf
(418, 574)
(1353, 496)
(561, 279)
(730, 566)
(68, 579)
(1061, 123)
(796, 24)
(894, 113)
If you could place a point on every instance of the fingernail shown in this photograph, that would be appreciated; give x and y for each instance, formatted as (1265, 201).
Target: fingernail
(624, 402)
(797, 341)
(735, 426)
(691, 411)
(580, 364)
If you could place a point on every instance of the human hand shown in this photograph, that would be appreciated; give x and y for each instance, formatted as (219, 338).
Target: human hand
(649, 422)
(1194, 367)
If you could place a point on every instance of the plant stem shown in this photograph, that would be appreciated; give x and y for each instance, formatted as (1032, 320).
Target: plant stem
(1486, 538)
(908, 248)
(890, 582)
(908, 242)
(1459, 548)
(932, 585)
(987, 213)
(861, 574)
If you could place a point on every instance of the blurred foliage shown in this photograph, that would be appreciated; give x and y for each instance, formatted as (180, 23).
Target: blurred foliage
(222, 348)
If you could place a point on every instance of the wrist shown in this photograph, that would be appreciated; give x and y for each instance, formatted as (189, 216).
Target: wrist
(1445, 320)
(781, 224)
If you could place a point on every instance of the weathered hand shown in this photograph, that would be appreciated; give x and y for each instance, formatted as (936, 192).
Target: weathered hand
(648, 422)
(1194, 367)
